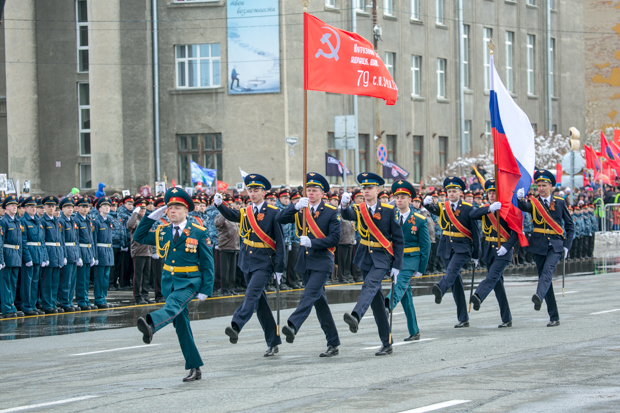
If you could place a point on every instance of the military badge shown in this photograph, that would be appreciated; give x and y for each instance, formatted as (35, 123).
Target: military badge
(552, 206)
(260, 217)
(186, 232)
(457, 212)
(377, 215)
(316, 214)
(191, 245)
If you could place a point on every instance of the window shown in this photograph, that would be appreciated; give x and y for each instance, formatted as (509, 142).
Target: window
(416, 75)
(443, 152)
(390, 58)
(554, 129)
(415, 9)
(488, 34)
(510, 37)
(363, 139)
(441, 78)
(359, 5)
(198, 65)
(467, 137)
(388, 7)
(330, 3)
(82, 35)
(552, 5)
(85, 179)
(205, 150)
(531, 41)
(488, 133)
(551, 67)
(417, 158)
(531, 2)
(466, 55)
(439, 18)
(84, 118)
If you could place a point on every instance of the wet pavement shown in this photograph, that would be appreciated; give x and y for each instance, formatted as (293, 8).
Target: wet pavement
(124, 314)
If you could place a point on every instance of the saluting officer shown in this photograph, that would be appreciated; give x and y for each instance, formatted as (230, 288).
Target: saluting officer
(55, 245)
(495, 259)
(416, 253)
(87, 254)
(69, 271)
(34, 256)
(458, 243)
(104, 255)
(188, 272)
(549, 240)
(316, 258)
(380, 252)
(261, 256)
(12, 256)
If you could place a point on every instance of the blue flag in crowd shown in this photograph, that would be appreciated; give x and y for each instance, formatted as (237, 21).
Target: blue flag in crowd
(200, 174)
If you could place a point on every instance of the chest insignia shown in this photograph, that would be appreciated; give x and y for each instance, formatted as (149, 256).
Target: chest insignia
(260, 217)
(191, 245)
(186, 232)
(377, 216)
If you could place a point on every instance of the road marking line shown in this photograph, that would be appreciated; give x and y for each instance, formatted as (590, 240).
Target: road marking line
(57, 402)
(114, 349)
(400, 343)
(607, 311)
(567, 292)
(437, 406)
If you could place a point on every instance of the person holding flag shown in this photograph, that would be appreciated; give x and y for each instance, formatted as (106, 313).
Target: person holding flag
(315, 259)
(458, 244)
(552, 238)
(261, 256)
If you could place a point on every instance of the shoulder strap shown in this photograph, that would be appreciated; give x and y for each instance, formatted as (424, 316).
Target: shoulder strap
(465, 231)
(542, 211)
(258, 230)
(374, 230)
(314, 228)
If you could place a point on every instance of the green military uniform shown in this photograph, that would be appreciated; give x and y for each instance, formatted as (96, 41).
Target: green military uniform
(416, 254)
(188, 271)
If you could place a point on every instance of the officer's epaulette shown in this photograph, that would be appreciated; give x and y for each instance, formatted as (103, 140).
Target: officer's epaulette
(466, 203)
(199, 227)
(330, 206)
(164, 225)
(387, 205)
(272, 207)
(419, 216)
(559, 197)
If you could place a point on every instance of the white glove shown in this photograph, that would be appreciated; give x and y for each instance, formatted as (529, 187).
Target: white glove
(155, 256)
(495, 206)
(277, 276)
(304, 241)
(354, 241)
(79, 262)
(475, 261)
(501, 251)
(290, 247)
(201, 297)
(96, 262)
(520, 193)
(217, 199)
(417, 274)
(135, 210)
(394, 274)
(216, 247)
(64, 262)
(158, 213)
(392, 202)
(1, 266)
(428, 200)
(124, 249)
(346, 199)
(43, 264)
(303, 203)
(565, 252)
(92, 262)
(29, 264)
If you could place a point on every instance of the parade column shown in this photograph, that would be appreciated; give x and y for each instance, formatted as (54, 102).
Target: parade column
(22, 92)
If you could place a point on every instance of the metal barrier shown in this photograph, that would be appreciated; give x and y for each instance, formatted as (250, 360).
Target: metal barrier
(610, 221)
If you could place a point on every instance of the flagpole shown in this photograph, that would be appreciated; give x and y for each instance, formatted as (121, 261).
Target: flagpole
(305, 3)
(498, 217)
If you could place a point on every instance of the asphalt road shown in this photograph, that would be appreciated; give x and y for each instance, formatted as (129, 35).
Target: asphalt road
(529, 367)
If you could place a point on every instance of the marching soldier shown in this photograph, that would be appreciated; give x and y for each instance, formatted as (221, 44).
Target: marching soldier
(316, 258)
(55, 245)
(86, 258)
(69, 271)
(458, 244)
(34, 256)
(188, 272)
(104, 255)
(380, 252)
(260, 258)
(496, 259)
(416, 253)
(549, 240)
(12, 256)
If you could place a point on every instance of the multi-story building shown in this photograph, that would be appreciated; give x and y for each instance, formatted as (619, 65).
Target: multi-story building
(81, 90)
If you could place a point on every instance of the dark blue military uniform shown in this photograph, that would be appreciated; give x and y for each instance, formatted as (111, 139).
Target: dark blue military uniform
(33, 253)
(258, 261)
(12, 256)
(546, 245)
(68, 274)
(455, 248)
(316, 263)
(87, 254)
(55, 244)
(104, 255)
(375, 261)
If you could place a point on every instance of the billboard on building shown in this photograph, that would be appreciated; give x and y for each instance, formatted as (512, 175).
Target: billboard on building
(253, 46)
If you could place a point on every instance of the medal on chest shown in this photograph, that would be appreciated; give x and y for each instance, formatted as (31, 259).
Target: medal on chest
(191, 245)
(411, 220)
(260, 217)
(377, 216)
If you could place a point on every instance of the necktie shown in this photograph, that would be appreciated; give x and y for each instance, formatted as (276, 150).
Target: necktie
(401, 220)
(370, 210)
(177, 234)
(312, 210)
(546, 203)
(453, 207)
(255, 210)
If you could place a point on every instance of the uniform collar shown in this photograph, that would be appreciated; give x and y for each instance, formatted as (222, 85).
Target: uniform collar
(373, 207)
(405, 215)
(181, 226)
(548, 199)
(258, 206)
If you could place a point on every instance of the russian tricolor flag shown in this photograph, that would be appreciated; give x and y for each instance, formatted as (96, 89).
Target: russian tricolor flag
(515, 157)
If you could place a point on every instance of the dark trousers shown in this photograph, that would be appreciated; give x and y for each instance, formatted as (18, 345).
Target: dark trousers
(157, 266)
(125, 268)
(217, 282)
(50, 278)
(8, 289)
(292, 276)
(372, 296)
(256, 299)
(141, 276)
(101, 284)
(545, 264)
(115, 272)
(228, 268)
(453, 280)
(81, 285)
(495, 281)
(345, 258)
(68, 275)
(30, 287)
(314, 296)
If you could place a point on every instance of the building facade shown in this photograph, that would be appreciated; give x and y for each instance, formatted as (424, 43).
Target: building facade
(80, 86)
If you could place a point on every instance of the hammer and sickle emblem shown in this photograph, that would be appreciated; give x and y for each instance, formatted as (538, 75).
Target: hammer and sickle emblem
(325, 40)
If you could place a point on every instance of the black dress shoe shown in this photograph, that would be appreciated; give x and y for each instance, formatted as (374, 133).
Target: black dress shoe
(537, 302)
(60, 310)
(413, 338)
(93, 307)
(384, 351)
(20, 314)
(9, 315)
(194, 374)
(284, 287)
(271, 351)
(85, 308)
(554, 323)
(298, 286)
(505, 325)
(232, 333)
(40, 312)
(331, 351)
(437, 292)
(161, 300)
(103, 306)
(270, 288)
(141, 302)
(475, 300)
(289, 332)
(146, 329)
(352, 322)
(150, 301)
(68, 309)
(31, 313)
(462, 324)
(51, 311)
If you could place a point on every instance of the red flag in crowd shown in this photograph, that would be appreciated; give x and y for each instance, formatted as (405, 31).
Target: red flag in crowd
(222, 186)
(338, 61)
(617, 136)
(558, 173)
(592, 159)
(608, 154)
